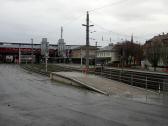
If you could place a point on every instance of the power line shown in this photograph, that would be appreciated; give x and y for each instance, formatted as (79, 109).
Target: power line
(109, 31)
(121, 34)
(108, 5)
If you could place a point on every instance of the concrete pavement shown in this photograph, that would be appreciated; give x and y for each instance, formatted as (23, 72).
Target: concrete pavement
(110, 87)
(29, 99)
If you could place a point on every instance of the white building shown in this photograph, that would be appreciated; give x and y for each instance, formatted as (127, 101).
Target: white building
(107, 54)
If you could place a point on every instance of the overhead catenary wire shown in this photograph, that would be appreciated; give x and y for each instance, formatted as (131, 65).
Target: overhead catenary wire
(140, 37)
(93, 10)
(121, 35)
(108, 5)
(110, 31)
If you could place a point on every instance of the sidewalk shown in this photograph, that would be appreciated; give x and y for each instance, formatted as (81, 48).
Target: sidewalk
(108, 86)
(114, 88)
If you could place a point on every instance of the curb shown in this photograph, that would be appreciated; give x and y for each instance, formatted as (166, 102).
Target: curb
(81, 83)
(71, 79)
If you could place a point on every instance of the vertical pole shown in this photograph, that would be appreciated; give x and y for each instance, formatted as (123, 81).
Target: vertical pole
(87, 40)
(159, 88)
(96, 55)
(132, 79)
(46, 55)
(19, 54)
(146, 88)
(111, 73)
(146, 84)
(120, 75)
(101, 71)
(81, 57)
(164, 87)
(32, 50)
(46, 61)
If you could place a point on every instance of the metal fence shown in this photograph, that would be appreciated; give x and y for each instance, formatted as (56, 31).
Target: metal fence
(149, 80)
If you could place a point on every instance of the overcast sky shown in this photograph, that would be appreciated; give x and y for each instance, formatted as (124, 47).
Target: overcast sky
(21, 20)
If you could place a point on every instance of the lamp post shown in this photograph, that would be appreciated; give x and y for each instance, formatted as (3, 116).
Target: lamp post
(81, 57)
(32, 50)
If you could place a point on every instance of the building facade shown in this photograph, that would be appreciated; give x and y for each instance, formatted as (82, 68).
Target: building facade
(107, 54)
(79, 54)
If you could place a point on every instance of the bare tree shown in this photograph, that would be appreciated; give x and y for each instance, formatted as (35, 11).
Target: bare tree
(164, 55)
(153, 54)
(129, 52)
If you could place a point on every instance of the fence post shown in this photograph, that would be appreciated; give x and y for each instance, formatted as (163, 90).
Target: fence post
(101, 70)
(159, 88)
(146, 84)
(164, 87)
(132, 79)
(146, 87)
(120, 75)
(110, 73)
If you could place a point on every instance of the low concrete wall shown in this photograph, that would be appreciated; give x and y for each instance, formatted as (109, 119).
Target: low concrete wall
(71, 81)
(62, 79)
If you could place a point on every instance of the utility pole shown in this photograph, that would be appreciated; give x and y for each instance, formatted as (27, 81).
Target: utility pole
(87, 39)
(32, 50)
(96, 55)
(19, 54)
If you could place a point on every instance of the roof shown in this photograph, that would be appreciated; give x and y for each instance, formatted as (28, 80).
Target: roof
(107, 48)
(84, 47)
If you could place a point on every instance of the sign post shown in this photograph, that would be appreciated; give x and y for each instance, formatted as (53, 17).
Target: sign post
(46, 56)
(45, 52)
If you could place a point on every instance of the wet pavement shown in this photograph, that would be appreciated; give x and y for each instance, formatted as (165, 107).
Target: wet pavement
(108, 86)
(29, 99)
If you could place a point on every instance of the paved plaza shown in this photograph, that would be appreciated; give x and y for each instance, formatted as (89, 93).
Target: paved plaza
(29, 99)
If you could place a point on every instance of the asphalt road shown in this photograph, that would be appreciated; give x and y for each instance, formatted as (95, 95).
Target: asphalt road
(29, 99)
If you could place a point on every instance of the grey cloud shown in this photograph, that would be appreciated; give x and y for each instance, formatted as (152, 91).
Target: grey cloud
(139, 10)
(23, 19)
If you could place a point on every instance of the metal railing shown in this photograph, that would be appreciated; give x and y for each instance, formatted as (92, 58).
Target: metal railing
(150, 81)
